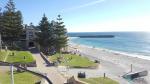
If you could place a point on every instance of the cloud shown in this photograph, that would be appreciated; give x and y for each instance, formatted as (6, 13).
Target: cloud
(82, 6)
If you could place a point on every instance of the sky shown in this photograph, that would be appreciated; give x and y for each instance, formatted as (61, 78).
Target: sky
(89, 15)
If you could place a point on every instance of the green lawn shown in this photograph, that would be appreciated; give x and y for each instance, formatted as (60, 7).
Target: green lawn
(19, 57)
(73, 60)
(99, 80)
(3, 55)
(19, 78)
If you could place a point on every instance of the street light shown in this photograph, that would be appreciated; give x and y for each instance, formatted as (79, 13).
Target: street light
(12, 74)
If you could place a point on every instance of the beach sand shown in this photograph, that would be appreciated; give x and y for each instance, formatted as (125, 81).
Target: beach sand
(114, 64)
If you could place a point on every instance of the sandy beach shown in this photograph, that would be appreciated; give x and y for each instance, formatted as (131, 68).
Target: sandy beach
(114, 64)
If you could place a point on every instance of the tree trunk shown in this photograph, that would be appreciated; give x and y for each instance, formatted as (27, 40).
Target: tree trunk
(0, 42)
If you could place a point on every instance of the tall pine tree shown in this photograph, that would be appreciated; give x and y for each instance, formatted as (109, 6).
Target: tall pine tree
(45, 36)
(1, 22)
(12, 23)
(61, 34)
(0, 29)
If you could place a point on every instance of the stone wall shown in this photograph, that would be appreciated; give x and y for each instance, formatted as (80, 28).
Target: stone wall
(45, 58)
(32, 64)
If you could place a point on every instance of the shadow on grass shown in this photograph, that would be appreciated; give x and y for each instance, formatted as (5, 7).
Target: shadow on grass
(15, 72)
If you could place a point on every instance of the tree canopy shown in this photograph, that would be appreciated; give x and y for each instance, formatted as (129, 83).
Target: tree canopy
(1, 22)
(52, 34)
(61, 34)
(44, 37)
(12, 23)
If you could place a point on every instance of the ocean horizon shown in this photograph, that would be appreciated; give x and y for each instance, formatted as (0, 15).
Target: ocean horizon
(129, 43)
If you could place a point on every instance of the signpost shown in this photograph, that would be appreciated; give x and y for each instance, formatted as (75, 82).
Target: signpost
(131, 67)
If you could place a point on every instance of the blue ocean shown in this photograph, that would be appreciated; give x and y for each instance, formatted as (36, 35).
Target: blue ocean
(129, 42)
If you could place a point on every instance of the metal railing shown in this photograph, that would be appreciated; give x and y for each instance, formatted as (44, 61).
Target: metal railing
(32, 72)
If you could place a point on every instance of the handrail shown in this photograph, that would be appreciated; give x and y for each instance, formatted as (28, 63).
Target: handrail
(35, 73)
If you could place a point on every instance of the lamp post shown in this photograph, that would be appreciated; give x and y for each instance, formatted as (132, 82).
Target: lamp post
(12, 74)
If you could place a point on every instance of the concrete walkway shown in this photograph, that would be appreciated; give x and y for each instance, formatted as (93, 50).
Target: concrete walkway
(50, 71)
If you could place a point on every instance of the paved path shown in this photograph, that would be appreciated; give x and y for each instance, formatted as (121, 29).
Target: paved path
(51, 71)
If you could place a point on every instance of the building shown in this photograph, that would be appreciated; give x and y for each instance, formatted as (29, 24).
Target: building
(29, 36)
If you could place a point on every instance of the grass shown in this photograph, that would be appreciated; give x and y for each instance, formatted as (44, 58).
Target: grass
(2, 55)
(73, 60)
(19, 78)
(19, 56)
(99, 80)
